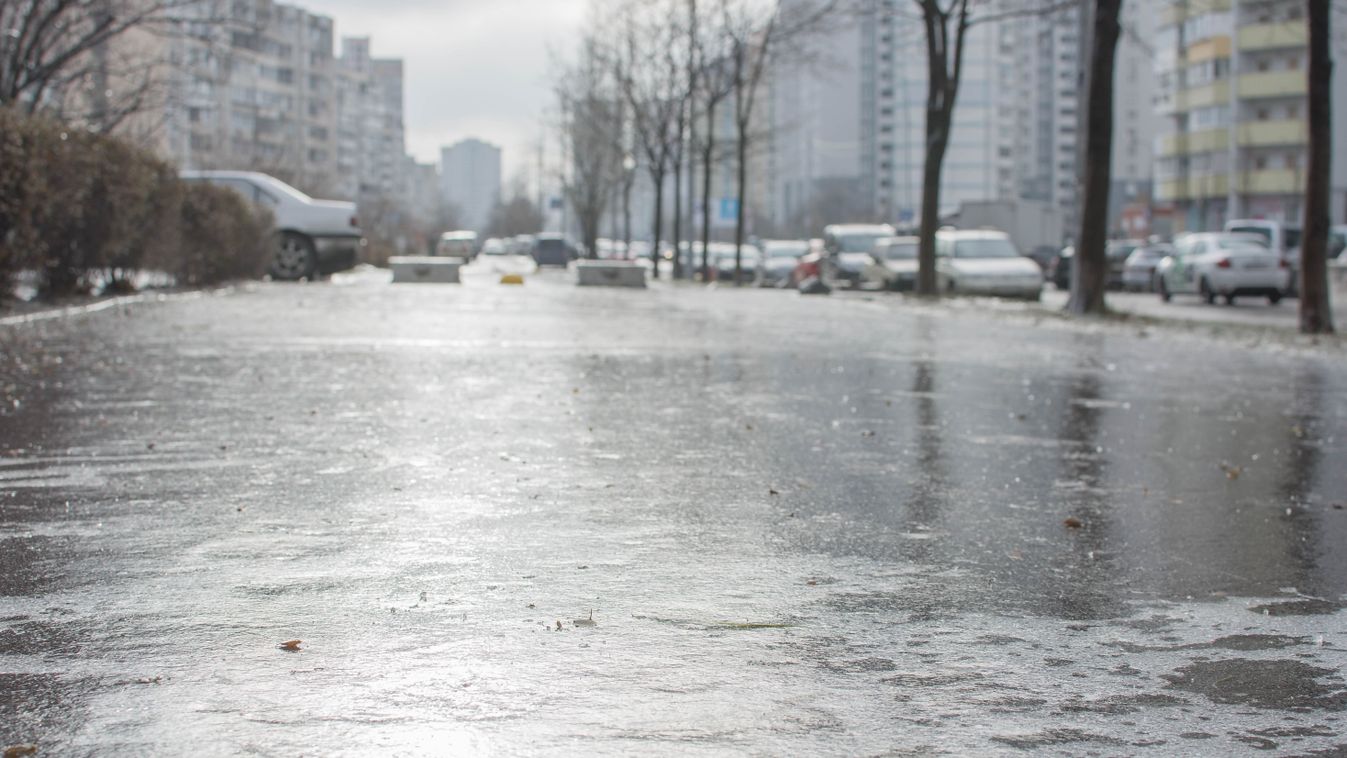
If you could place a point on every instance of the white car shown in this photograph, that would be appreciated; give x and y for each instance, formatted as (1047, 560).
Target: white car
(1219, 264)
(984, 263)
(894, 263)
(312, 236)
(779, 258)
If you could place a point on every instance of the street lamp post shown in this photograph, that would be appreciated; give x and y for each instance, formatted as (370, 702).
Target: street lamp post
(628, 173)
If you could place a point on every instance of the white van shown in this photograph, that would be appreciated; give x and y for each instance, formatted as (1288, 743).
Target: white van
(457, 244)
(1283, 238)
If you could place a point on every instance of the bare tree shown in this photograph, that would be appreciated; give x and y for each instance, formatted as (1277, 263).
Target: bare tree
(947, 27)
(592, 126)
(1089, 275)
(650, 79)
(715, 83)
(755, 31)
(74, 58)
(1316, 312)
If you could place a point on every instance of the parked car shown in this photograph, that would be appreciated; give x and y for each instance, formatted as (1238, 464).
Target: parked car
(1042, 255)
(1139, 268)
(1116, 252)
(849, 247)
(521, 244)
(1282, 238)
(1059, 270)
(894, 263)
(457, 244)
(984, 263)
(553, 250)
(722, 263)
(312, 236)
(1218, 264)
(810, 265)
(495, 246)
(1337, 242)
(779, 258)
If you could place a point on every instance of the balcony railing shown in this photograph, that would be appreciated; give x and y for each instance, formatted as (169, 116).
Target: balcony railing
(1287, 35)
(1272, 84)
(1272, 133)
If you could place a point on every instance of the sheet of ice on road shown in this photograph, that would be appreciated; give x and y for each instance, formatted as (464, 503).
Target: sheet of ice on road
(541, 520)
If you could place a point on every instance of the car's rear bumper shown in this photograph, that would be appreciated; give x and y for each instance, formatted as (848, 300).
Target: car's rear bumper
(1250, 282)
(338, 252)
(1001, 289)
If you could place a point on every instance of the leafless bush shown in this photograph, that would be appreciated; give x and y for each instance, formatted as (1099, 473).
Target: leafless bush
(223, 237)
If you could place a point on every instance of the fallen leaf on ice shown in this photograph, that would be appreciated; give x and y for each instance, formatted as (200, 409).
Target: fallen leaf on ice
(1071, 522)
(290, 646)
(1231, 472)
(17, 751)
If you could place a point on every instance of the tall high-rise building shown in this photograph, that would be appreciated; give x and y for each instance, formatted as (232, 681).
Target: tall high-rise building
(470, 175)
(1231, 100)
(257, 92)
(370, 147)
(849, 121)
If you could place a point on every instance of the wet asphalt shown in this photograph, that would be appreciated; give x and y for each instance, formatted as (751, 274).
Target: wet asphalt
(546, 520)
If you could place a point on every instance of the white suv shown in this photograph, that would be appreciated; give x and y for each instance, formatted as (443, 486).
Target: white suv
(312, 236)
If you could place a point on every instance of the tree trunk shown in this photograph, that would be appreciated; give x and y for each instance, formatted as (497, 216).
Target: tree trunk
(658, 177)
(937, 139)
(626, 214)
(678, 209)
(1316, 310)
(741, 151)
(708, 157)
(1089, 273)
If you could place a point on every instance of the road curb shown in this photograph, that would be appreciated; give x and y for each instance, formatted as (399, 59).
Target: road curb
(70, 311)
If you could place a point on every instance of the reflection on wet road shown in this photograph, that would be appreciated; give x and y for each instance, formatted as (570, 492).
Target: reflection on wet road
(817, 526)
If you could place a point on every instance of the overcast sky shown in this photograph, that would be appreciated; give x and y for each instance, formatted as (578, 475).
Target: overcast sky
(472, 68)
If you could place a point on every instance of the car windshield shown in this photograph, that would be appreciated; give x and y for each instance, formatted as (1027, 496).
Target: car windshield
(1239, 242)
(1260, 231)
(858, 243)
(901, 251)
(985, 248)
(747, 255)
(786, 249)
(276, 185)
(1120, 252)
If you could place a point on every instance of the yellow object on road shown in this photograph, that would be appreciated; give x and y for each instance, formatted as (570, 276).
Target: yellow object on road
(511, 279)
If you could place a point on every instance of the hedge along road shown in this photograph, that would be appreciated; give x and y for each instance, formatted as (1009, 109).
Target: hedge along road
(545, 519)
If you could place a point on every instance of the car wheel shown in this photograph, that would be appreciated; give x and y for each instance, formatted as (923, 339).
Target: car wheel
(1163, 289)
(1274, 298)
(295, 258)
(1209, 294)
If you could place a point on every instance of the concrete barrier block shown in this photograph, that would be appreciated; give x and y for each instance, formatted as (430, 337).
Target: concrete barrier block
(424, 268)
(609, 274)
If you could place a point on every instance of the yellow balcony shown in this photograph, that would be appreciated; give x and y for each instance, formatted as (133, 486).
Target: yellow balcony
(1205, 141)
(1216, 93)
(1271, 133)
(1178, 12)
(1214, 47)
(1192, 188)
(1273, 182)
(1272, 84)
(1291, 34)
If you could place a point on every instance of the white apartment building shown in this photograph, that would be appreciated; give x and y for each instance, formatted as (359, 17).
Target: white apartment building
(470, 177)
(370, 134)
(264, 91)
(849, 125)
(1231, 89)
